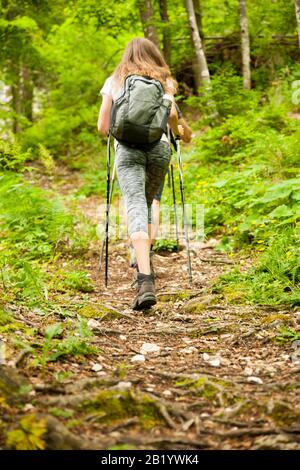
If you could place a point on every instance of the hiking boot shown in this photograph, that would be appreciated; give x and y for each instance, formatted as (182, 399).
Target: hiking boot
(133, 262)
(146, 294)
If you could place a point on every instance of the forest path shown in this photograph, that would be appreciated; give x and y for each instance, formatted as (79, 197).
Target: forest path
(191, 373)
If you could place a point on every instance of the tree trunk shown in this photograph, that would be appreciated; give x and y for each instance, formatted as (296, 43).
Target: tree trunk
(195, 65)
(147, 19)
(163, 9)
(245, 45)
(204, 76)
(27, 95)
(297, 7)
(198, 15)
(16, 93)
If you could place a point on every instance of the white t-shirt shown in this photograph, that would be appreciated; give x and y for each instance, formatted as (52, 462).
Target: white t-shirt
(111, 88)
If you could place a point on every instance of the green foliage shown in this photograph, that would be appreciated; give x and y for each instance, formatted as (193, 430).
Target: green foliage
(5, 317)
(79, 280)
(12, 157)
(111, 405)
(33, 222)
(165, 245)
(51, 332)
(28, 435)
(58, 412)
(228, 94)
(275, 277)
(287, 335)
(245, 172)
(35, 227)
(72, 346)
(56, 346)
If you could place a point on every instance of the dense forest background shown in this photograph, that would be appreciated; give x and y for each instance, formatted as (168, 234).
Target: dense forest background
(238, 69)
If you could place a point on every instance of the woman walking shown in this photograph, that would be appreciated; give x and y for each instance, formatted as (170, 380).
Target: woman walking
(140, 169)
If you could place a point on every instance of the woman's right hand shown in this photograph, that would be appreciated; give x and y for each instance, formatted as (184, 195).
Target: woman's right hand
(180, 131)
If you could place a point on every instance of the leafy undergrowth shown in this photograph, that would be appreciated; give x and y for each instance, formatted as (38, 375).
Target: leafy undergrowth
(245, 173)
(273, 280)
(38, 233)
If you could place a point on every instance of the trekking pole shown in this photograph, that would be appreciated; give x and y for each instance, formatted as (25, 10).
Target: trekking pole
(108, 200)
(184, 211)
(172, 141)
(112, 182)
(175, 207)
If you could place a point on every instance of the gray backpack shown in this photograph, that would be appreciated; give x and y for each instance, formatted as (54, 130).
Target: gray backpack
(140, 115)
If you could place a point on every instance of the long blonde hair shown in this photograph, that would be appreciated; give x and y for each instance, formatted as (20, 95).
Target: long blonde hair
(142, 57)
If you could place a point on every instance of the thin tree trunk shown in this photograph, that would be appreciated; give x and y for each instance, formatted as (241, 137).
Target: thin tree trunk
(16, 94)
(196, 73)
(195, 65)
(198, 15)
(163, 9)
(245, 44)
(297, 7)
(147, 19)
(27, 95)
(201, 62)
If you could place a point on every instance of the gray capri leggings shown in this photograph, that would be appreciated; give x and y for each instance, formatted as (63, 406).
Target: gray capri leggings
(140, 175)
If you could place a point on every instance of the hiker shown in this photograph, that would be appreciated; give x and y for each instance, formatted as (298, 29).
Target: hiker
(186, 137)
(141, 169)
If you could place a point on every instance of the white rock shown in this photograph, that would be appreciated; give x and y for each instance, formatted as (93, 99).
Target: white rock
(138, 358)
(215, 361)
(122, 337)
(97, 367)
(150, 348)
(167, 393)
(28, 407)
(255, 380)
(123, 386)
(187, 340)
(93, 323)
(189, 350)
(248, 371)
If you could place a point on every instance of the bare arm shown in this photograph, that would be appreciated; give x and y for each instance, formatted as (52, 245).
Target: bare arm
(173, 120)
(104, 115)
(187, 131)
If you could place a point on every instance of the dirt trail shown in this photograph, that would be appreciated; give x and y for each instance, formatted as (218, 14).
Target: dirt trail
(217, 379)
